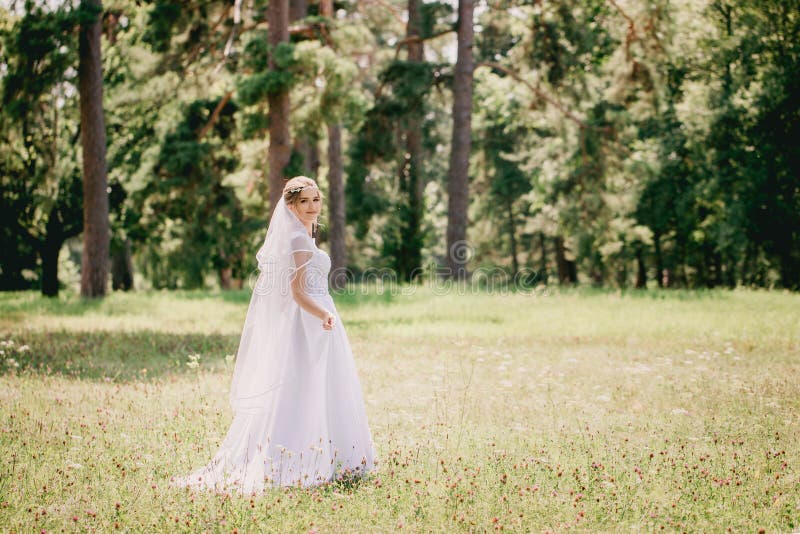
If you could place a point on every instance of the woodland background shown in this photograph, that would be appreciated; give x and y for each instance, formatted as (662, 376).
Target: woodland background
(607, 142)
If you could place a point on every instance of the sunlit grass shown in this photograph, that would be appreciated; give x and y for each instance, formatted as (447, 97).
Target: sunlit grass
(576, 410)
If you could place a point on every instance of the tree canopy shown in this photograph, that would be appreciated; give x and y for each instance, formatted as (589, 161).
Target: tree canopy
(637, 143)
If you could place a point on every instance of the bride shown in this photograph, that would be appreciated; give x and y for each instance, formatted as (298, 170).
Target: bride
(299, 417)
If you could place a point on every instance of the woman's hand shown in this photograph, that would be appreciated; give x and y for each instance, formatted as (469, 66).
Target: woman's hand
(328, 321)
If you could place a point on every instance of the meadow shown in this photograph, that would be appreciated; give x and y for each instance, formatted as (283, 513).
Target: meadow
(572, 410)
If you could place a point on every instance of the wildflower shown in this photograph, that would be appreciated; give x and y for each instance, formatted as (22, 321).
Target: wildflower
(194, 361)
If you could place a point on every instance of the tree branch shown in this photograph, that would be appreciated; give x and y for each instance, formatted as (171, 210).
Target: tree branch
(632, 34)
(544, 96)
(417, 39)
(214, 115)
(390, 9)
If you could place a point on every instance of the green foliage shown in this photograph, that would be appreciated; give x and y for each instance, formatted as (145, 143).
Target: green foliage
(40, 184)
(432, 15)
(189, 214)
(164, 17)
(648, 137)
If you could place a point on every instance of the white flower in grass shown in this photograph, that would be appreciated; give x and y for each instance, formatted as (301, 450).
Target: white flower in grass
(229, 358)
(680, 411)
(11, 362)
(24, 348)
(194, 361)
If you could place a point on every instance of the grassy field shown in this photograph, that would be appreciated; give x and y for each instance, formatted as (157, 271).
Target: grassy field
(566, 411)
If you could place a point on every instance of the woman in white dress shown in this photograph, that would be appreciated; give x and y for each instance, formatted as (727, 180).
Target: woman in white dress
(299, 417)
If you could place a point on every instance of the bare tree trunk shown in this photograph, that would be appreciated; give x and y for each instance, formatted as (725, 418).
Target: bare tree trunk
(280, 147)
(298, 9)
(512, 230)
(49, 254)
(659, 259)
(458, 175)
(409, 253)
(225, 278)
(567, 273)
(121, 265)
(94, 262)
(311, 158)
(336, 208)
(326, 8)
(309, 150)
(543, 259)
(641, 269)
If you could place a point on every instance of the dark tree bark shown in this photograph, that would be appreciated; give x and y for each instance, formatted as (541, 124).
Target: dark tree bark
(49, 253)
(458, 175)
(659, 259)
(567, 270)
(622, 270)
(309, 150)
(280, 146)
(410, 172)
(326, 8)
(512, 231)
(298, 9)
(336, 208)
(96, 236)
(543, 258)
(121, 266)
(641, 269)
(225, 278)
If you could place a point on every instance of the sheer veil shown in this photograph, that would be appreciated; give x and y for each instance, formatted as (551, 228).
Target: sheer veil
(273, 337)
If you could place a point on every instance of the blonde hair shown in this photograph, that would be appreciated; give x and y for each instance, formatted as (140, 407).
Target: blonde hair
(294, 186)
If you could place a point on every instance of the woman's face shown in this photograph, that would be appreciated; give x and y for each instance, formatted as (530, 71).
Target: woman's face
(307, 206)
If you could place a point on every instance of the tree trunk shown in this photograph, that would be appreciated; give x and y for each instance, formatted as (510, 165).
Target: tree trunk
(567, 271)
(512, 230)
(659, 259)
(337, 231)
(326, 8)
(94, 262)
(49, 253)
(641, 269)
(543, 258)
(622, 269)
(280, 147)
(121, 266)
(225, 278)
(298, 9)
(409, 251)
(309, 151)
(561, 260)
(458, 175)
(311, 158)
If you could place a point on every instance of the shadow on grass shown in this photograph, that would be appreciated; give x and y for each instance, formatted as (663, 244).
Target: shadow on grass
(119, 356)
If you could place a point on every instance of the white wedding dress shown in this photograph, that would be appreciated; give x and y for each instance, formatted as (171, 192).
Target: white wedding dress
(299, 413)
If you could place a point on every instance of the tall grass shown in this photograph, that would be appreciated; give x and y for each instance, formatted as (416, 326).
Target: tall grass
(576, 410)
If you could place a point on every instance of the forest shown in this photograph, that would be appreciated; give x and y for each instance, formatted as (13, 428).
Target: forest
(609, 143)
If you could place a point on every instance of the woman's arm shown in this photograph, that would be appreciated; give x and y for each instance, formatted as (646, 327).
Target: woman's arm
(301, 297)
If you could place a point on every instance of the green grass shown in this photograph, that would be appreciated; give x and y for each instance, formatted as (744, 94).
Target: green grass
(577, 410)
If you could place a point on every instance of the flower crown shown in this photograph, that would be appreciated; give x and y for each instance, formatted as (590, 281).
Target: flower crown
(298, 189)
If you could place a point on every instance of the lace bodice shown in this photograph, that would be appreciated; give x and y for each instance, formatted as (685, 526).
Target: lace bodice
(317, 271)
